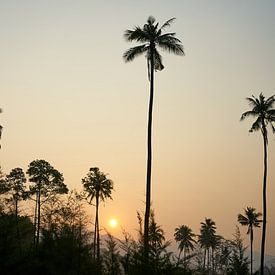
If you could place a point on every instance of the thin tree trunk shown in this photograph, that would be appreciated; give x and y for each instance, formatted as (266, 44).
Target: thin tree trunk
(251, 251)
(179, 257)
(149, 161)
(204, 259)
(38, 218)
(17, 226)
(264, 200)
(95, 240)
(97, 232)
(35, 221)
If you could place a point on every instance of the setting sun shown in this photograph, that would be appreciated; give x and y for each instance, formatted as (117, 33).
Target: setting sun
(113, 223)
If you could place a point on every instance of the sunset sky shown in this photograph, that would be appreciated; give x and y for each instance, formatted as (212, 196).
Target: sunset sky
(68, 97)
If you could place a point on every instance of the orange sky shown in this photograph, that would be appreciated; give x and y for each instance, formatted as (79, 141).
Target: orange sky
(68, 98)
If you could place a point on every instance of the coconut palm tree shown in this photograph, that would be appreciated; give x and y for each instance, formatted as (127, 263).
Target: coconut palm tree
(207, 238)
(185, 237)
(261, 110)
(97, 186)
(151, 36)
(250, 219)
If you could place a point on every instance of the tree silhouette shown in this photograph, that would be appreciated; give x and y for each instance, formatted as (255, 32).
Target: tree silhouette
(250, 219)
(185, 237)
(207, 239)
(151, 36)
(47, 183)
(265, 115)
(15, 181)
(97, 186)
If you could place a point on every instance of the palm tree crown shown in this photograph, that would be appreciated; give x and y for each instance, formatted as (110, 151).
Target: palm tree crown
(151, 36)
(97, 184)
(185, 237)
(263, 112)
(250, 219)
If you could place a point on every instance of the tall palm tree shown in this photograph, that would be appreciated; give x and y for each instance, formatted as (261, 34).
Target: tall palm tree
(185, 237)
(151, 36)
(265, 115)
(207, 238)
(250, 219)
(97, 186)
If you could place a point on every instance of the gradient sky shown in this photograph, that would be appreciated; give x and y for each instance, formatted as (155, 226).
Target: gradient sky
(69, 98)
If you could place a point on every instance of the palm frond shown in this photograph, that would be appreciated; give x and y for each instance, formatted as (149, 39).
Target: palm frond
(168, 23)
(256, 125)
(137, 34)
(252, 101)
(270, 102)
(132, 53)
(171, 47)
(158, 66)
(249, 113)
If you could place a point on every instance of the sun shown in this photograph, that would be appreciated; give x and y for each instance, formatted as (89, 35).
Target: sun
(113, 223)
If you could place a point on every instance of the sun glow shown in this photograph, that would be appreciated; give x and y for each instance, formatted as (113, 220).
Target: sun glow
(113, 223)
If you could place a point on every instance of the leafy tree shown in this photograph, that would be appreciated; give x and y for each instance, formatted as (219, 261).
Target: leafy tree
(185, 237)
(47, 182)
(250, 219)
(111, 259)
(15, 187)
(238, 261)
(97, 186)
(12, 259)
(265, 115)
(151, 36)
(65, 245)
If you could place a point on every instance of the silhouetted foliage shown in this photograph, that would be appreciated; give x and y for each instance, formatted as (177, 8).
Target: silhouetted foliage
(47, 182)
(250, 219)
(265, 115)
(97, 186)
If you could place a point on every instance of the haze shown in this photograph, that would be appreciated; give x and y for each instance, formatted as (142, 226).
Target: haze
(68, 98)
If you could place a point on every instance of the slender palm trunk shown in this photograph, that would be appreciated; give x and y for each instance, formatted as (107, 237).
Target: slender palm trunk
(179, 257)
(97, 232)
(149, 161)
(264, 200)
(204, 259)
(251, 251)
(95, 240)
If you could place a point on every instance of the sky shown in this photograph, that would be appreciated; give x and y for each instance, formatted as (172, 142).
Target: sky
(68, 97)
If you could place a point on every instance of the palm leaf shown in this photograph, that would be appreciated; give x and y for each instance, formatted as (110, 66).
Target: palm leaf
(168, 23)
(132, 53)
(137, 34)
(256, 125)
(158, 66)
(175, 48)
(249, 113)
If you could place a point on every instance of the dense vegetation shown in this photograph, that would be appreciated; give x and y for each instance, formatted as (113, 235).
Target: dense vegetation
(69, 243)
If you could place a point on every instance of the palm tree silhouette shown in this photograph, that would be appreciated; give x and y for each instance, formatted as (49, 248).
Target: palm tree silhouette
(265, 115)
(250, 219)
(207, 239)
(184, 236)
(151, 36)
(97, 186)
